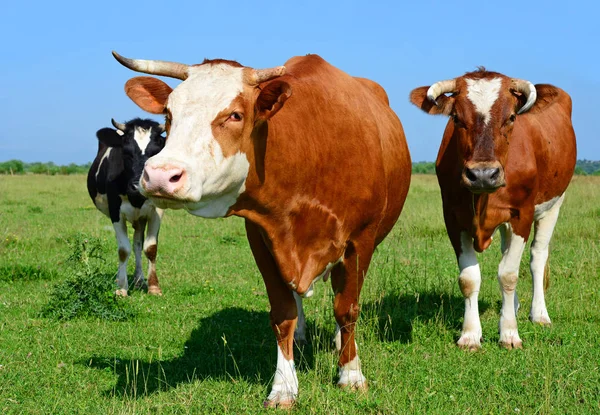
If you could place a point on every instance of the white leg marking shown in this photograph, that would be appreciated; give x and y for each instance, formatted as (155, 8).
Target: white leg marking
(124, 251)
(285, 384)
(300, 333)
(545, 220)
(351, 375)
(470, 282)
(508, 275)
(337, 338)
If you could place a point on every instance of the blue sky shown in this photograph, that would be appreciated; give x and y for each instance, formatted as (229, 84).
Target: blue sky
(59, 82)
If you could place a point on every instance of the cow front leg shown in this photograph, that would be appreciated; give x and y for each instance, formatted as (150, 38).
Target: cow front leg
(347, 279)
(124, 249)
(139, 227)
(151, 249)
(544, 227)
(508, 275)
(283, 317)
(469, 281)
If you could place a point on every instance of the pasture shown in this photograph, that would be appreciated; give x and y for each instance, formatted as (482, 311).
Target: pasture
(206, 345)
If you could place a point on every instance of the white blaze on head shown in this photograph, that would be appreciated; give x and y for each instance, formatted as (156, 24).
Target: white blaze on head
(483, 93)
(142, 138)
(214, 182)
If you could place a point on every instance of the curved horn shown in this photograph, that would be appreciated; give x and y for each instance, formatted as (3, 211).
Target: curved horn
(527, 89)
(163, 68)
(257, 76)
(117, 125)
(161, 128)
(440, 88)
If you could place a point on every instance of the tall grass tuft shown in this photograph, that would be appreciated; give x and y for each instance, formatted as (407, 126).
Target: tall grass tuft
(89, 290)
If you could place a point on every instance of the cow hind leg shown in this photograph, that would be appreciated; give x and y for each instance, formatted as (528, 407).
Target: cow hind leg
(283, 319)
(469, 281)
(543, 229)
(124, 249)
(139, 227)
(150, 250)
(347, 279)
(508, 275)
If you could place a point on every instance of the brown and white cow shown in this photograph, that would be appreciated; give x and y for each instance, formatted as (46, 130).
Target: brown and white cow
(507, 156)
(314, 160)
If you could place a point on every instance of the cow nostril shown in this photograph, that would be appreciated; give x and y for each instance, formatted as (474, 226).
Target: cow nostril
(175, 179)
(495, 174)
(145, 176)
(470, 175)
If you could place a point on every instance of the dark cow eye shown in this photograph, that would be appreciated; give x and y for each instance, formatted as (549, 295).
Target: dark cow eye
(235, 116)
(512, 117)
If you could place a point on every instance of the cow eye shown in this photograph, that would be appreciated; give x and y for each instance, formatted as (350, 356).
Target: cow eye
(235, 116)
(512, 117)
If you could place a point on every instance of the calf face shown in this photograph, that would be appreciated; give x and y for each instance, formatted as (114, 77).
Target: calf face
(136, 140)
(483, 108)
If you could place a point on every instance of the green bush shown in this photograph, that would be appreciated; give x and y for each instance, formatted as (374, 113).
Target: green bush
(89, 289)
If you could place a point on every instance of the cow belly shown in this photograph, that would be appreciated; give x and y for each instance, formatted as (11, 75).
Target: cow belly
(133, 214)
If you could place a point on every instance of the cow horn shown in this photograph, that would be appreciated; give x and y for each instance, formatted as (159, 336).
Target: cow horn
(163, 68)
(161, 128)
(117, 125)
(257, 76)
(440, 88)
(527, 89)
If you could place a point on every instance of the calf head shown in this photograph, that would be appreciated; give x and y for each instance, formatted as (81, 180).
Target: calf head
(210, 120)
(133, 143)
(483, 108)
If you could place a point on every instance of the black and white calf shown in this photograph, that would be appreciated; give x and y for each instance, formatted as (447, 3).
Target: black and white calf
(113, 186)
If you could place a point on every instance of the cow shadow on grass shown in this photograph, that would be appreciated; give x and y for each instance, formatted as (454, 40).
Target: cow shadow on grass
(231, 344)
(395, 315)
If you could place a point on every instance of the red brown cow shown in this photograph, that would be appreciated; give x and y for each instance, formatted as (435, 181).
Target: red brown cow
(313, 159)
(506, 159)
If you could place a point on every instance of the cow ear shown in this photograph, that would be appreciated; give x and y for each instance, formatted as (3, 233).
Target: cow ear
(443, 104)
(546, 94)
(271, 99)
(109, 137)
(150, 94)
(116, 165)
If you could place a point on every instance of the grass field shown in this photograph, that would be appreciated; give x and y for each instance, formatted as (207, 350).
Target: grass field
(206, 345)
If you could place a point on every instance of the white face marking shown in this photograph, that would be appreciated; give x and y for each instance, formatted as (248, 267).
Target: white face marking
(483, 93)
(214, 182)
(142, 138)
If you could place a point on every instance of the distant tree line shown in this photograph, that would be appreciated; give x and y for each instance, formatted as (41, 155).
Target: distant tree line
(582, 168)
(19, 167)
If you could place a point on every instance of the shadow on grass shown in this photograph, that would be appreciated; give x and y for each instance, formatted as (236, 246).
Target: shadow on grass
(238, 344)
(396, 315)
(231, 344)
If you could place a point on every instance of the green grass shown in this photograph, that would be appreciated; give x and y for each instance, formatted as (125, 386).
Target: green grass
(206, 345)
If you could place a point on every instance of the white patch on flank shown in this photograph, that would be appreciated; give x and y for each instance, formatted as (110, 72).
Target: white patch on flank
(483, 93)
(469, 272)
(285, 383)
(351, 375)
(104, 157)
(214, 182)
(142, 137)
(543, 208)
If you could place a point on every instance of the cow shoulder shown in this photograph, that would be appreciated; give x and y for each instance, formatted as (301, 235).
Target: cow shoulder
(375, 88)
